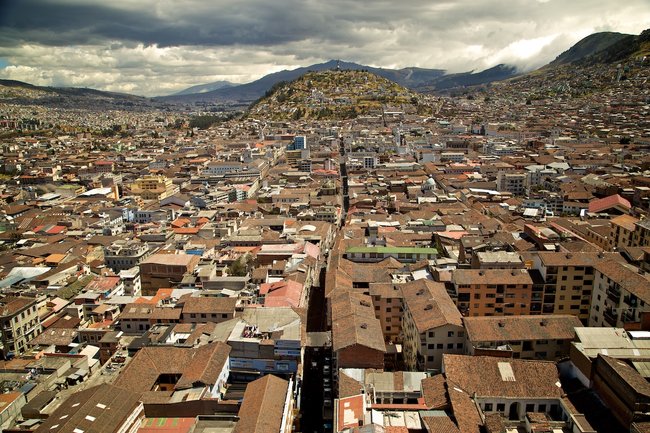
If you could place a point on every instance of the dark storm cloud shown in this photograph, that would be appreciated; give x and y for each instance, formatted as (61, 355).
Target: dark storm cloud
(157, 46)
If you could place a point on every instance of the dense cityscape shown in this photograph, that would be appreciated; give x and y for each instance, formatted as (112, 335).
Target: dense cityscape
(342, 254)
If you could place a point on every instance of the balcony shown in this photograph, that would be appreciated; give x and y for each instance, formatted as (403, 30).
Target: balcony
(614, 296)
(610, 317)
(628, 317)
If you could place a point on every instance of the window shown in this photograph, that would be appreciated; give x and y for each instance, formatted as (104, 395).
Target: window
(541, 408)
(501, 407)
(439, 346)
(477, 296)
(459, 345)
(430, 358)
(450, 345)
(450, 334)
(461, 333)
(388, 328)
(432, 334)
(530, 408)
(431, 346)
(488, 407)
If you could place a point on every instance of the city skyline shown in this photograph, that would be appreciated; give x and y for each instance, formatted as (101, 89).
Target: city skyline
(157, 48)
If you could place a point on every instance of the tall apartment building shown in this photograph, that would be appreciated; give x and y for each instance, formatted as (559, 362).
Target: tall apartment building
(165, 270)
(431, 326)
(493, 292)
(621, 294)
(122, 255)
(19, 323)
(567, 283)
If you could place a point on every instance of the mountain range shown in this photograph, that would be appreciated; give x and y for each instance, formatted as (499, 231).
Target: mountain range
(418, 79)
(603, 47)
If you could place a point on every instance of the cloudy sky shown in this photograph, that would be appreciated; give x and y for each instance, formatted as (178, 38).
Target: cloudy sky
(157, 47)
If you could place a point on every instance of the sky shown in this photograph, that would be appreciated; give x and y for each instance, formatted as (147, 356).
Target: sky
(158, 47)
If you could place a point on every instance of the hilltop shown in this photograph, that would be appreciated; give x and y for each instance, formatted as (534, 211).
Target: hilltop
(20, 93)
(588, 46)
(336, 94)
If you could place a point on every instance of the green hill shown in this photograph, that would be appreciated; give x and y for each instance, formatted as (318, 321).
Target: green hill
(332, 95)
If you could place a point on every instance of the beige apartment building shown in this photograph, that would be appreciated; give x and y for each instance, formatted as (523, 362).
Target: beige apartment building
(521, 337)
(567, 283)
(432, 325)
(19, 323)
(493, 292)
(621, 294)
(153, 188)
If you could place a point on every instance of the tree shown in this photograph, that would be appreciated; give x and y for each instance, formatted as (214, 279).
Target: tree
(241, 266)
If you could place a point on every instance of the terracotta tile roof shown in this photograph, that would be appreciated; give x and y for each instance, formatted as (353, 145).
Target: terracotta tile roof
(491, 276)
(263, 405)
(200, 365)
(521, 328)
(349, 386)
(464, 409)
(101, 409)
(607, 203)
(55, 336)
(12, 305)
(430, 305)
(628, 374)
(496, 377)
(434, 391)
(354, 322)
(207, 304)
(627, 278)
(625, 221)
(574, 258)
(440, 424)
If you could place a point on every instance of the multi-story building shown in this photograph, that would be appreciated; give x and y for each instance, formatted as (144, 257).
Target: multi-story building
(19, 323)
(514, 183)
(154, 188)
(431, 326)
(265, 340)
(621, 232)
(165, 270)
(526, 337)
(122, 255)
(621, 293)
(493, 292)
(131, 280)
(567, 282)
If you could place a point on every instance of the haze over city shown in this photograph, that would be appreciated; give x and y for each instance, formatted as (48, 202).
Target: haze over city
(159, 47)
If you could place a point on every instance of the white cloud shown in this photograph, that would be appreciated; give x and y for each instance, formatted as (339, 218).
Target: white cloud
(158, 47)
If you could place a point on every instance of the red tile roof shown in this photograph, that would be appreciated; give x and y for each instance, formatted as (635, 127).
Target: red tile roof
(607, 203)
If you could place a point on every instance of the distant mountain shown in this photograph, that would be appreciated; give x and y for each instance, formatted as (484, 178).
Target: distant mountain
(18, 92)
(604, 48)
(203, 88)
(589, 46)
(467, 79)
(408, 77)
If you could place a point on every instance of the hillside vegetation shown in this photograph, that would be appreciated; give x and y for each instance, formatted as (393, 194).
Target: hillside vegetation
(332, 95)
